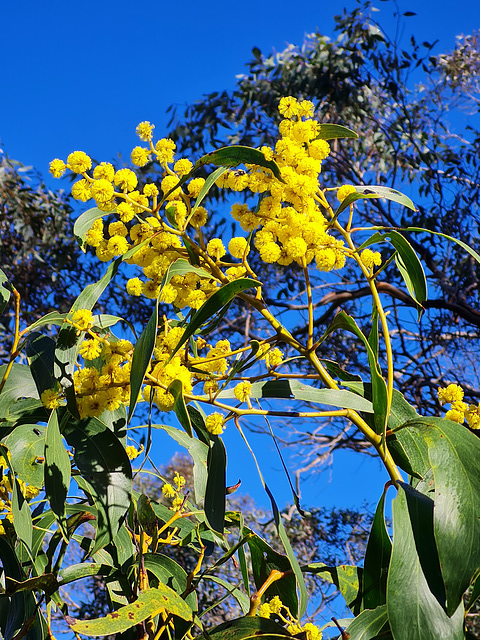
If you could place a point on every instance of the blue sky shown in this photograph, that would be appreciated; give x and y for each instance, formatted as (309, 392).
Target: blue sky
(82, 76)
(78, 76)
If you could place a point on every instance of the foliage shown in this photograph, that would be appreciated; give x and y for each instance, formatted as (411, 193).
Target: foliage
(67, 417)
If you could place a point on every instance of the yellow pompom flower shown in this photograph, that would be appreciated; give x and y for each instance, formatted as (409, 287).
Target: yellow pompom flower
(455, 416)
(102, 190)
(140, 156)
(270, 252)
(150, 190)
(168, 490)
(81, 190)
(144, 130)
(264, 610)
(370, 258)
(105, 171)
(103, 253)
(345, 191)
(90, 349)
(199, 218)
(242, 391)
(57, 168)
(319, 149)
(94, 235)
(117, 229)
(214, 424)
(132, 452)
(238, 247)
(289, 107)
(79, 162)
(452, 393)
(195, 186)
(165, 149)
(117, 245)
(183, 167)
(472, 416)
(216, 249)
(51, 398)
(83, 319)
(273, 358)
(325, 259)
(125, 179)
(125, 211)
(169, 183)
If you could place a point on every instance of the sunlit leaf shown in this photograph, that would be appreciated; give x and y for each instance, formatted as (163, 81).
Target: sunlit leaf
(22, 518)
(295, 389)
(368, 624)
(410, 602)
(20, 384)
(26, 444)
(179, 406)
(335, 131)
(148, 604)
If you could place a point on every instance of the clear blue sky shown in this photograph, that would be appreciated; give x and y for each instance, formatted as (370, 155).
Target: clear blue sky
(81, 76)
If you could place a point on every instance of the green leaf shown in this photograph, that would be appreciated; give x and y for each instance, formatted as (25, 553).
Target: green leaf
(83, 570)
(410, 267)
(149, 603)
(5, 291)
(57, 471)
(377, 559)
(170, 573)
(368, 624)
(335, 131)
(19, 384)
(26, 444)
(199, 453)
(179, 406)
(366, 192)
(215, 490)
(22, 518)
(465, 246)
(454, 453)
(83, 224)
(146, 515)
(142, 356)
(215, 303)
(180, 268)
(302, 605)
(247, 627)
(105, 467)
(264, 560)
(294, 389)
(40, 351)
(236, 154)
(22, 605)
(379, 388)
(242, 599)
(411, 605)
(347, 578)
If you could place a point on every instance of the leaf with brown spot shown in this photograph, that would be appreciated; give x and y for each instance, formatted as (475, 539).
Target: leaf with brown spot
(148, 604)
